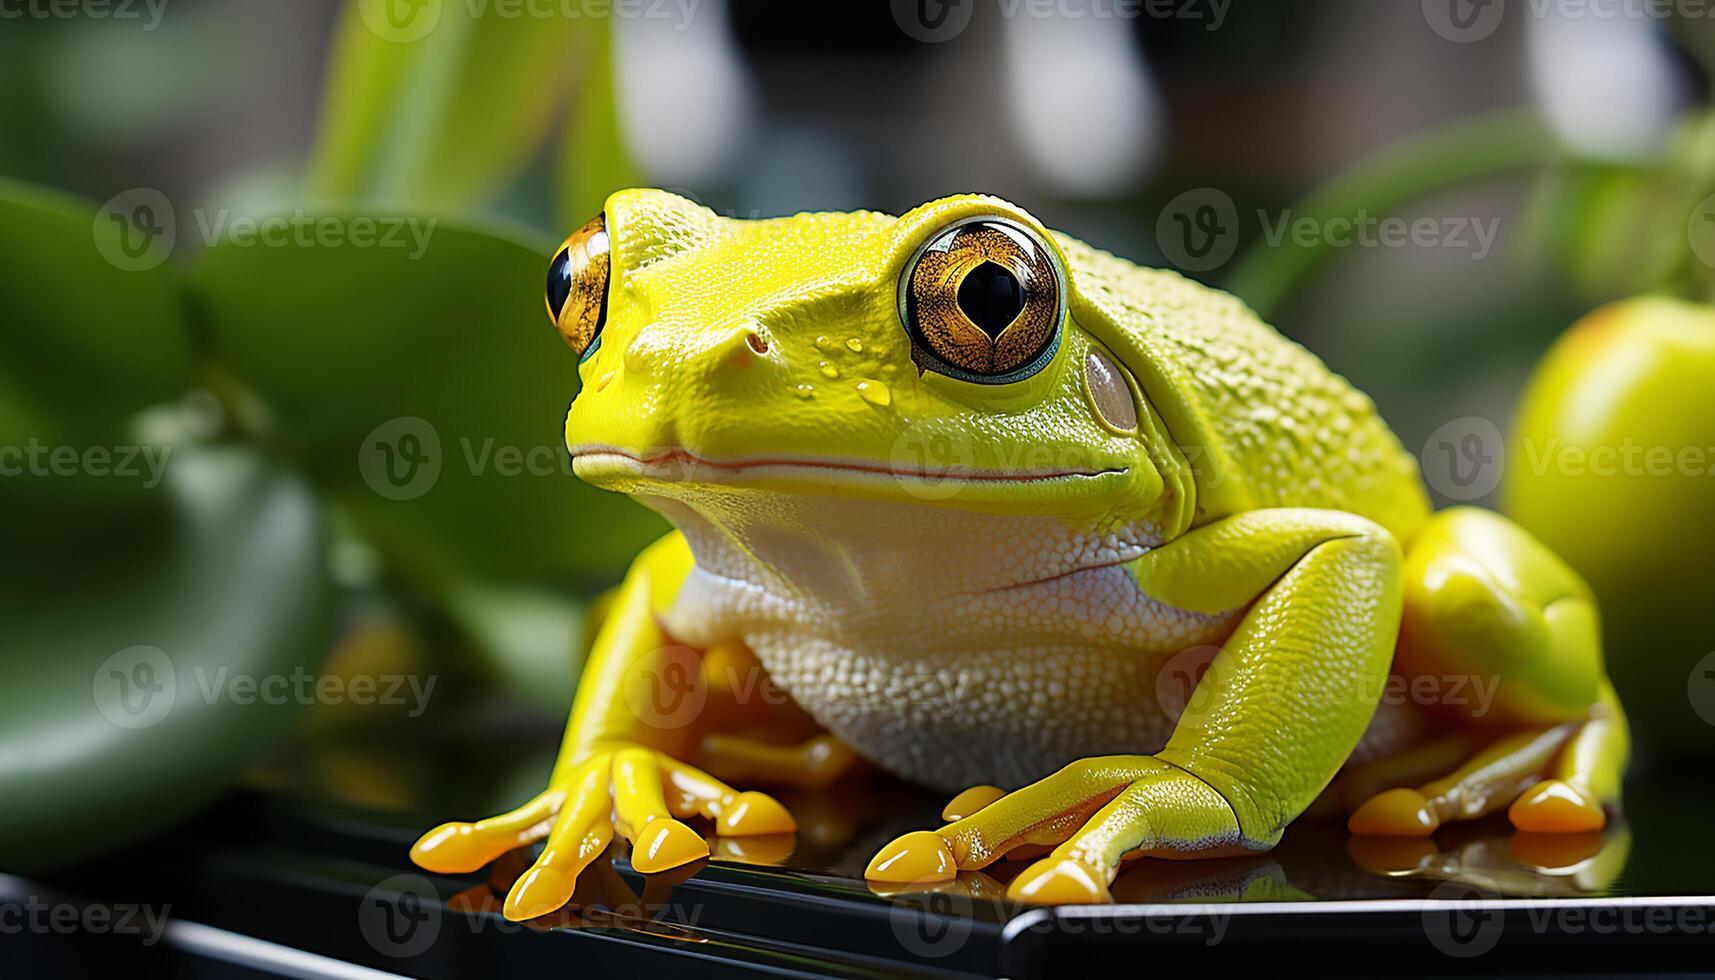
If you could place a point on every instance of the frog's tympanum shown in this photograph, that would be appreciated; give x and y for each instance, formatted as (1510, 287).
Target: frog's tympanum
(1000, 513)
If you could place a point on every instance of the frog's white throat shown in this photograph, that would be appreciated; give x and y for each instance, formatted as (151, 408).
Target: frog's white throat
(849, 553)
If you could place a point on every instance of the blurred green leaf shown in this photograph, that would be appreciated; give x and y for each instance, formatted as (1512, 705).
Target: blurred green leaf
(1475, 148)
(423, 387)
(123, 709)
(533, 640)
(85, 342)
(447, 118)
(592, 161)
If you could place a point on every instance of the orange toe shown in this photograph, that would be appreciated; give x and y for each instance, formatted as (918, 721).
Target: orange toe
(1064, 881)
(452, 848)
(1556, 807)
(664, 844)
(540, 891)
(1395, 813)
(970, 801)
(917, 857)
(755, 813)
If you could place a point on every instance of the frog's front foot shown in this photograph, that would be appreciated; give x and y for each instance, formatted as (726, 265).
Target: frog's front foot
(640, 792)
(1094, 814)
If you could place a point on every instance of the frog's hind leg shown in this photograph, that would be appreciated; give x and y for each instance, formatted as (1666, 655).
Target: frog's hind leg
(1503, 639)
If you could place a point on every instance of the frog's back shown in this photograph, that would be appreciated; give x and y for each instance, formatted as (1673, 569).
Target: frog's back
(1262, 421)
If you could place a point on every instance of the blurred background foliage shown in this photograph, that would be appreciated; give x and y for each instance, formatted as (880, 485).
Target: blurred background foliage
(268, 370)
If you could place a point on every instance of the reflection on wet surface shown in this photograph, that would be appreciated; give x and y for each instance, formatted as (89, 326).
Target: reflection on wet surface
(841, 828)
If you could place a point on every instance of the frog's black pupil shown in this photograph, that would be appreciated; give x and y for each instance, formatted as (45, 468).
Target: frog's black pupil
(992, 297)
(560, 280)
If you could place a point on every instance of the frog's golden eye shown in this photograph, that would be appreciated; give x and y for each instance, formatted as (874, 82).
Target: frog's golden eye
(983, 300)
(577, 286)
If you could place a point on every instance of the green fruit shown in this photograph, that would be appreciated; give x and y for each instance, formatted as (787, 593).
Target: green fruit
(1612, 464)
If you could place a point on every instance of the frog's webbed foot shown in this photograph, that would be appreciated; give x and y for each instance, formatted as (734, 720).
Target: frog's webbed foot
(1560, 780)
(1490, 608)
(642, 793)
(1094, 813)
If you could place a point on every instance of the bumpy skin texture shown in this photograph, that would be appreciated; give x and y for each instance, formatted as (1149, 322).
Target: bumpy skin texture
(1168, 639)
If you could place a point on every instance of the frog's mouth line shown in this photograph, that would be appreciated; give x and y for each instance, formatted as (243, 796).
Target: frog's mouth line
(685, 461)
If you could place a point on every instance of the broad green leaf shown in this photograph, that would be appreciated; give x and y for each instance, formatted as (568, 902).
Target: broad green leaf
(421, 384)
(92, 328)
(446, 101)
(129, 658)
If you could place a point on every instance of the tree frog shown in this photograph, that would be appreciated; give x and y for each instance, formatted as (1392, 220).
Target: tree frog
(995, 511)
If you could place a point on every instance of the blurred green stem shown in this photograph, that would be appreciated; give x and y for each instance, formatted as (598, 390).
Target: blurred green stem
(1469, 149)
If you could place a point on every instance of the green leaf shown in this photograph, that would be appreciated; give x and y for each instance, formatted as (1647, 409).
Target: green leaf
(123, 710)
(423, 387)
(85, 342)
(446, 118)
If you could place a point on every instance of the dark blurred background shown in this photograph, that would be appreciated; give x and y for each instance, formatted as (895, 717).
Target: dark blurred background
(365, 480)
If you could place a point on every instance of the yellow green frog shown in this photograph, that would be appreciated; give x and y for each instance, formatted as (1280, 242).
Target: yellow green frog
(1000, 512)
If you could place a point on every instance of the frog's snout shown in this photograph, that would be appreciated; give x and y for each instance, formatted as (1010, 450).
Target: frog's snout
(707, 357)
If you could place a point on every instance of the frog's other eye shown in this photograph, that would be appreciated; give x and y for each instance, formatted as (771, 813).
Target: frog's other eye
(577, 286)
(984, 300)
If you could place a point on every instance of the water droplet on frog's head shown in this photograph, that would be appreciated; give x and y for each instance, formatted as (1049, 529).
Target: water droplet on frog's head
(828, 370)
(854, 345)
(875, 393)
(804, 391)
(824, 342)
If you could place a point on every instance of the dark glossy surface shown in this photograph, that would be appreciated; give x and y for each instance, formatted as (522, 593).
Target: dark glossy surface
(324, 869)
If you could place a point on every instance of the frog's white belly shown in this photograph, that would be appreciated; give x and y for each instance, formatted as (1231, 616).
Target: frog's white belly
(998, 685)
(983, 715)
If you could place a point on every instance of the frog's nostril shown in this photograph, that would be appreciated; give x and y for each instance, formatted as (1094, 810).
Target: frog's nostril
(755, 342)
